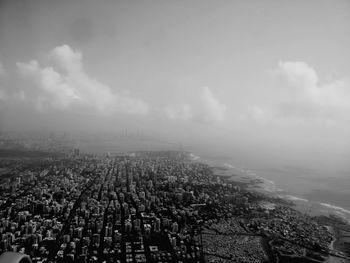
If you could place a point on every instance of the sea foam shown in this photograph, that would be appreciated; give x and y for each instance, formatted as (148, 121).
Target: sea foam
(295, 198)
(337, 208)
(194, 157)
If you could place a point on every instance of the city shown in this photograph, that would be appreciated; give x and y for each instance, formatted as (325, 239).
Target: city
(146, 207)
(174, 131)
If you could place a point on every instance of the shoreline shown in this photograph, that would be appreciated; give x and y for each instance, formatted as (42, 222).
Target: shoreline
(265, 186)
(334, 234)
(252, 182)
(304, 205)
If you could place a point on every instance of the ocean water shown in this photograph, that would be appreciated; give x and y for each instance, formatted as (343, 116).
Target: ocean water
(310, 189)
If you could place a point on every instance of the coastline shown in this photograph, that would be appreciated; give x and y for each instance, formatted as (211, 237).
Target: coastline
(249, 181)
(334, 234)
(268, 187)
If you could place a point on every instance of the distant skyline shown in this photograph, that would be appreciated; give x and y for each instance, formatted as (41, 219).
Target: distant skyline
(267, 76)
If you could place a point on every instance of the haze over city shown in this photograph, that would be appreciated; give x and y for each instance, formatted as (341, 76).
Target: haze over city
(174, 131)
(261, 76)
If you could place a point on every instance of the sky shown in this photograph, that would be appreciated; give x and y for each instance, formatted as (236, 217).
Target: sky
(263, 79)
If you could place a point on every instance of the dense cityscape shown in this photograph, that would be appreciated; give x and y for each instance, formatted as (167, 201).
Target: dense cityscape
(172, 131)
(147, 207)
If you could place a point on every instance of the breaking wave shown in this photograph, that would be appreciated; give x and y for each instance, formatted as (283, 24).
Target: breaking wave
(295, 198)
(194, 157)
(336, 208)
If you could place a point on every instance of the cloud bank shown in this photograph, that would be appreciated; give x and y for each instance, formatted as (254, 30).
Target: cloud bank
(66, 85)
(179, 112)
(300, 96)
(308, 96)
(60, 83)
(207, 108)
(214, 109)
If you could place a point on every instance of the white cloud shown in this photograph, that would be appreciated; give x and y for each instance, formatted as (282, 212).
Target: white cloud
(70, 60)
(308, 89)
(52, 88)
(298, 74)
(68, 85)
(258, 114)
(179, 112)
(206, 108)
(214, 110)
(304, 96)
(255, 113)
(301, 97)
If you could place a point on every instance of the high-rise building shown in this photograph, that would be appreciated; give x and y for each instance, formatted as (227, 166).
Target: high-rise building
(175, 227)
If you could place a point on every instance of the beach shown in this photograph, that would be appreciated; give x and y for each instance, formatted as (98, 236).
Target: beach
(251, 181)
(306, 196)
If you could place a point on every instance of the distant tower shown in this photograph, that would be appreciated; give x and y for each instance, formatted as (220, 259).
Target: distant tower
(76, 152)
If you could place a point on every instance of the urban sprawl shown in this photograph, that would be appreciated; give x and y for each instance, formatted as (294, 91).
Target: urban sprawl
(147, 207)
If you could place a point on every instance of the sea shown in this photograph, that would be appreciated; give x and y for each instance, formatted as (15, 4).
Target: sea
(310, 190)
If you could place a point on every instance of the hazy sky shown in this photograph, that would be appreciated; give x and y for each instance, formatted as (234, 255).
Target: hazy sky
(268, 76)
